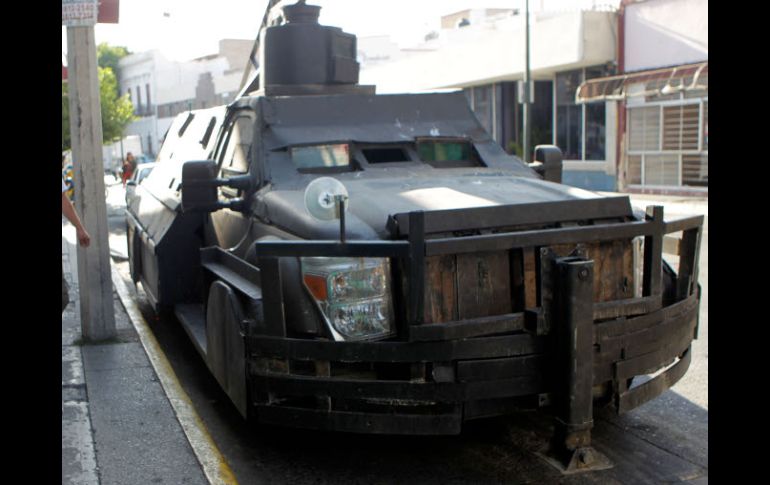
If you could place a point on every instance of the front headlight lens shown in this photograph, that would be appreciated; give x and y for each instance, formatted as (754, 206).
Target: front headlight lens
(353, 294)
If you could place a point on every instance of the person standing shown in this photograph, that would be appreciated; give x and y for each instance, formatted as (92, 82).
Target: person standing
(128, 167)
(84, 239)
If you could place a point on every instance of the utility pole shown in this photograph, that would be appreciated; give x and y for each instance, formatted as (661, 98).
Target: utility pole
(525, 113)
(97, 314)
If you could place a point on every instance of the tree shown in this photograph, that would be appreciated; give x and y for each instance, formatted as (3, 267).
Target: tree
(109, 56)
(117, 111)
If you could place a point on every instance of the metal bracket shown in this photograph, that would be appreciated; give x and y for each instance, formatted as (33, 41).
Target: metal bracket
(548, 284)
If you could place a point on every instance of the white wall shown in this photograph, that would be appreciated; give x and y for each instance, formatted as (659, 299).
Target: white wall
(169, 82)
(662, 33)
(375, 49)
(494, 52)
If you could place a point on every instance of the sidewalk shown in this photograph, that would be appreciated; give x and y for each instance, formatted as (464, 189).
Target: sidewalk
(672, 204)
(118, 426)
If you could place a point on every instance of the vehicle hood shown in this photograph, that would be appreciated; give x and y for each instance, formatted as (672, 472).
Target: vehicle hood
(373, 200)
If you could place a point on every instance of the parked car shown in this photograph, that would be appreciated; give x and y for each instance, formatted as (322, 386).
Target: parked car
(141, 173)
(143, 158)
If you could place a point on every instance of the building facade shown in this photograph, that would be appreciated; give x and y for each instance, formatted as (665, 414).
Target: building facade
(482, 52)
(661, 96)
(160, 89)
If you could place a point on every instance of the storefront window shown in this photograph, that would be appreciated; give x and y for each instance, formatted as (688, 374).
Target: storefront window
(482, 106)
(580, 128)
(644, 129)
(569, 116)
(569, 124)
(595, 133)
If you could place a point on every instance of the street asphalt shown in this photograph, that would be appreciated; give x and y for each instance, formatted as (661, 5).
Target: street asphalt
(121, 422)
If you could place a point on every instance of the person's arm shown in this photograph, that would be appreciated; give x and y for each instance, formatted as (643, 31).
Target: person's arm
(69, 212)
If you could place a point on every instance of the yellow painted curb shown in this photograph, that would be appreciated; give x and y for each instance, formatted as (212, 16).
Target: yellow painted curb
(214, 465)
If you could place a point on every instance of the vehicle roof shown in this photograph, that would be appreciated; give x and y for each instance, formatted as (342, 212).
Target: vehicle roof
(298, 120)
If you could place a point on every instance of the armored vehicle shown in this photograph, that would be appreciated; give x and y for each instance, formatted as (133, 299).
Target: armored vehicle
(350, 261)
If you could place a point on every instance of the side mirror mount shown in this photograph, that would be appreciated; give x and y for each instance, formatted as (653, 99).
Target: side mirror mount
(199, 187)
(548, 163)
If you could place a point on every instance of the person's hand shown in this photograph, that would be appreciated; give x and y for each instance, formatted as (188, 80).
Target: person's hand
(83, 237)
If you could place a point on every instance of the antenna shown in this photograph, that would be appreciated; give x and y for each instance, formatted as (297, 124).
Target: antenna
(326, 199)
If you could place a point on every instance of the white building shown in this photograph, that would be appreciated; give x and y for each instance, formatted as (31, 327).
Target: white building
(160, 89)
(482, 51)
(661, 95)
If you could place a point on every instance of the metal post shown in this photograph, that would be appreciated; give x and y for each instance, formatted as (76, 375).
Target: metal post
(339, 201)
(653, 249)
(122, 156)
(573, 331)
(272, 296)
(416, 283)
(527, 128)
(97, 315)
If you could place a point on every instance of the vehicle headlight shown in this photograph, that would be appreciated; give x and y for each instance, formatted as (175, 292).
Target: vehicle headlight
(353, 295)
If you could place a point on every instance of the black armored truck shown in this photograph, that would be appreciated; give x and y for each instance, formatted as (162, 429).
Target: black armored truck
(350, 261)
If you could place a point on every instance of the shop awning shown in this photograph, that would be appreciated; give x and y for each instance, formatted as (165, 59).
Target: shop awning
(666, 81)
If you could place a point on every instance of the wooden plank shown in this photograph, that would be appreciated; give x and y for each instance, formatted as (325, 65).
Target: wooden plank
(530, 278)
(628, 269)
(440, 289)
(613, 270)
(484, 282)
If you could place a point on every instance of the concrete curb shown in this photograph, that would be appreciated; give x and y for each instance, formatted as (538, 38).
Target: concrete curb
(212, 461)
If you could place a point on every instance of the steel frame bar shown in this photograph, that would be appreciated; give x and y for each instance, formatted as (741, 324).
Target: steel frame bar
(444, 392)
(573, 328)
(637, 396)
(414, 251)
(272, 294)
(515, 215)
(653, 253)
(385, 351)
(637, 336)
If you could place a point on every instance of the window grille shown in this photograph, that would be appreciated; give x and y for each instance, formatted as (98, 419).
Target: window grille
(668, 143)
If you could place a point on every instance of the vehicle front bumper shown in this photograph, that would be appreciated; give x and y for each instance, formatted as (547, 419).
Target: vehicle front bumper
(461, 370)
(482, 376)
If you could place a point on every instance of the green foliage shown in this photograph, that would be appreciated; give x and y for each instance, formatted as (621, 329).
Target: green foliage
(108, 56)
(117, 112)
